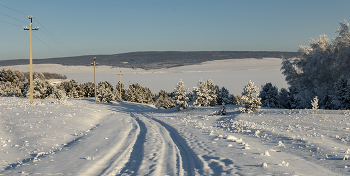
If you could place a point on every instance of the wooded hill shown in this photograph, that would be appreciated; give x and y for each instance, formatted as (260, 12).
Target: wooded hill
(153, 59)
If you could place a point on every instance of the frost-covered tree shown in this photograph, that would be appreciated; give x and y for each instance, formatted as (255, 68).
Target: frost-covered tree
(39, 75)
(180, 97)
(88, 89)
(164, 101)
(269, 96)
(11, 76)
(191, 96)
(223, 96)
(341, 94)
(250, 97)
(105, 92)
(205, 93)
(120, 91)
(68, 85)
(60, 95)
(238, 99)
(139, 94)
(318, 67)
(41, 89)
(11, 83)
(8, 89)
(284, 99)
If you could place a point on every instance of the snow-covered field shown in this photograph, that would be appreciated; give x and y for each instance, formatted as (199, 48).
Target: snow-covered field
(81, 138)
(233, 74)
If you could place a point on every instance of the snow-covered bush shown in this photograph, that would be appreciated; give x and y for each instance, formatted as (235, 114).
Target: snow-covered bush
(164, 101)
(60, 95)
(314, 104)
(205, 93)
(269, 96)
(222, 111)
(250, 97)
(180, 97)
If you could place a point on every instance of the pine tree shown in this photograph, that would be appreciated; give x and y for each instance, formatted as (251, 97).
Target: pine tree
(139, 94)
(88, 89)
(180, 97)
(164, 101)
(284, 99)
(341, 94)
(269, 96)
(105, 92)
(223, 96)
(205, 93)
(250, 97)
(67, 86)
(120, 91)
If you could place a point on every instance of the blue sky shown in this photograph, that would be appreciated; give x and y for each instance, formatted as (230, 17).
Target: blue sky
(69, 28)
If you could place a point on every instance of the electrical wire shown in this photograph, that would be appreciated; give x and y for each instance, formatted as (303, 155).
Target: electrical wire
(55, 39)
(10, 23)
(12, 18)
(47, 45)
(13, 9)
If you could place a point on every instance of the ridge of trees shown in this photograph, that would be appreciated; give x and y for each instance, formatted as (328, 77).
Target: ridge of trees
(153, 59)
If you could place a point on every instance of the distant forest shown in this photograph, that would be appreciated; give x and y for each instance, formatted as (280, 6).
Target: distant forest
(153, 59)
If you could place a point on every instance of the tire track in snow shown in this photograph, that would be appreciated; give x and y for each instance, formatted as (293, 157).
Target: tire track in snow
(132, 166)
(191, 163)
(114, 154)
(159, 150)
(188, 163)
(162, 156)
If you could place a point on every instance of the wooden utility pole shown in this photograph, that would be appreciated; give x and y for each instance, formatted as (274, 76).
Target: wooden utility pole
(120, 84)
(31, 57)
(95, 79)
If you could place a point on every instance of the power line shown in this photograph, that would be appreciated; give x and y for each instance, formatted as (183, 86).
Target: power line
(47, 45)
(13, 9)
(12, 18)
(10, 23)
(57, 40)
(53, 37)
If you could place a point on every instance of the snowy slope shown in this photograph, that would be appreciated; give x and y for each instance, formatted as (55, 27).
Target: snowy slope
(135, 139)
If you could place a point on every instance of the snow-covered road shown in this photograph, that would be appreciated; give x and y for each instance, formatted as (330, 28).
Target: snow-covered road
(126, 142)
(81, 138)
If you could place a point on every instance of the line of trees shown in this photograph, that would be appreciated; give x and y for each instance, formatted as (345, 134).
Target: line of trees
(14, 83)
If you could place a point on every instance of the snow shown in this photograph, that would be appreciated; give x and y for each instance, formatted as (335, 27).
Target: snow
(122, 138)
(233, 74)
